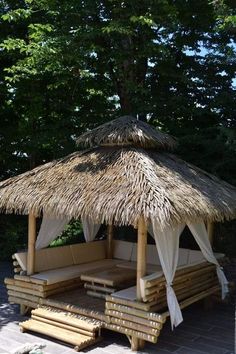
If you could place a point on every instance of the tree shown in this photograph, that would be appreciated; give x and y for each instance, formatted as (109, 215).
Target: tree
(66, 66)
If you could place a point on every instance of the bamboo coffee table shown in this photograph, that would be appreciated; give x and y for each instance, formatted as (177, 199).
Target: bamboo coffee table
(103, 282)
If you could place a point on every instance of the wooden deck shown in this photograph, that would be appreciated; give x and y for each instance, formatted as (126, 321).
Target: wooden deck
(202, 332)
(78, 301)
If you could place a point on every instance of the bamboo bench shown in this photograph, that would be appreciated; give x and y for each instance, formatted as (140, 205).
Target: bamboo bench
(56, 273)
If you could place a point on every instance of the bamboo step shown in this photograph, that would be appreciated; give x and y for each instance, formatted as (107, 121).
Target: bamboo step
(80, 341)
(79, 332)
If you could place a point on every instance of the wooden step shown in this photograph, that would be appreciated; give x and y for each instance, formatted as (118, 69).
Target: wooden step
(68, 319)
(79, 331)
(78, 340)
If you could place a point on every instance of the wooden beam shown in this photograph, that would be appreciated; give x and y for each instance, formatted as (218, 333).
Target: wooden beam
(110, 231)
(31, 244)
(210, 231)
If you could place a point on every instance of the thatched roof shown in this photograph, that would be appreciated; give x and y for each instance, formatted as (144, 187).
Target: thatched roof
(127, 131)
(118, 185)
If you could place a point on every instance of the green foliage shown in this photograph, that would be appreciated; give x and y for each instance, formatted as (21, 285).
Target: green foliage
(226, 15)
(213, 150)
(73, 233)
(67, 66)
(13, 235)
(16, 15)
(225, 240)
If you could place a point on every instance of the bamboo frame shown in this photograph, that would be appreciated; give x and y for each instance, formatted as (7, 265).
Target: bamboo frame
(210, 231)
(141, 271)
(31, 244)
(141, 254)
(152, 316)
(132, 318)
(110, 232)
(135, 334)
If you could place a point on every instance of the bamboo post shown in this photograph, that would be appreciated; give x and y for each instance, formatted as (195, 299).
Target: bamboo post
(31, 244)
(141, 254)
(210, 231)
(136, 343)
(110, 232)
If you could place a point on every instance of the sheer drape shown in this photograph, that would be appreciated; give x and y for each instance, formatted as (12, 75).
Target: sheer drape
(49, 230)
(90, 229)
(167, 243)
(200, 234)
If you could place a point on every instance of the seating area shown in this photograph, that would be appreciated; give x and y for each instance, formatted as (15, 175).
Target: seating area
(51, 267)
(68, 267)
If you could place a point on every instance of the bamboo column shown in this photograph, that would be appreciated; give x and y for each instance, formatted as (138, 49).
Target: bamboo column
(31, 244)
(141, 254)
(110, 232)
(136, 343)
(210, 231)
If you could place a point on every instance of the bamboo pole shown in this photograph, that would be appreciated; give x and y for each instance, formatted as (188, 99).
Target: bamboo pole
(31, 244)
(141, 254)
(110, 231)
(136, 343)
(210, 231)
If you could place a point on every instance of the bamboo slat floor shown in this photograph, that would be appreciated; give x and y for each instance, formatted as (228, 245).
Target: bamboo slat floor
(211, 332)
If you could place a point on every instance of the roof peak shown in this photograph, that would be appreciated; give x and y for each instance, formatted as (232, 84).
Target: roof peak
(127, 131)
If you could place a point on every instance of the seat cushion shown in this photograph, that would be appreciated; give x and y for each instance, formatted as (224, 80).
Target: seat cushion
(58, 257)
(151, 268)
(152, 255)
(21, 258)
(61, 274)
(122, 250)
(183, 256)
(126, 294)
(88, 252)
(195, 257)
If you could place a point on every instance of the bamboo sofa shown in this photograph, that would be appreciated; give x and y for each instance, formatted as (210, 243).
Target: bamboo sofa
(63, 268)
(60, 269)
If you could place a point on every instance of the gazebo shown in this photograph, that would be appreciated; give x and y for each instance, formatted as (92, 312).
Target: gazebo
(125, 174)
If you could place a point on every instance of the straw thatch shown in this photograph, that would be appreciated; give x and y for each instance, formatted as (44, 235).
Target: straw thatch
(118, 185)
(125, 131)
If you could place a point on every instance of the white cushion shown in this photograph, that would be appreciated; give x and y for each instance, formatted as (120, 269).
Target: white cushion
(134, 253)
(183, 256)
(195, 257)
(219, 255)
(57, 275)
(152, 255)
(127, 294)
(122, 250)
(151, 268)
(88, 252)
(42, 258)
(21, 258)
(58, 257)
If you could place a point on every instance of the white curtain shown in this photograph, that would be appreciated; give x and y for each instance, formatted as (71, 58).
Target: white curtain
(49, 230)
(90, 229)
(167, 243)
(201, 236)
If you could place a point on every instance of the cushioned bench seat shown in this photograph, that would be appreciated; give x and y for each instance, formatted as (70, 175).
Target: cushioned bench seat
(151, 268)
(68, 262)
(126, 294)
(67, 273)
